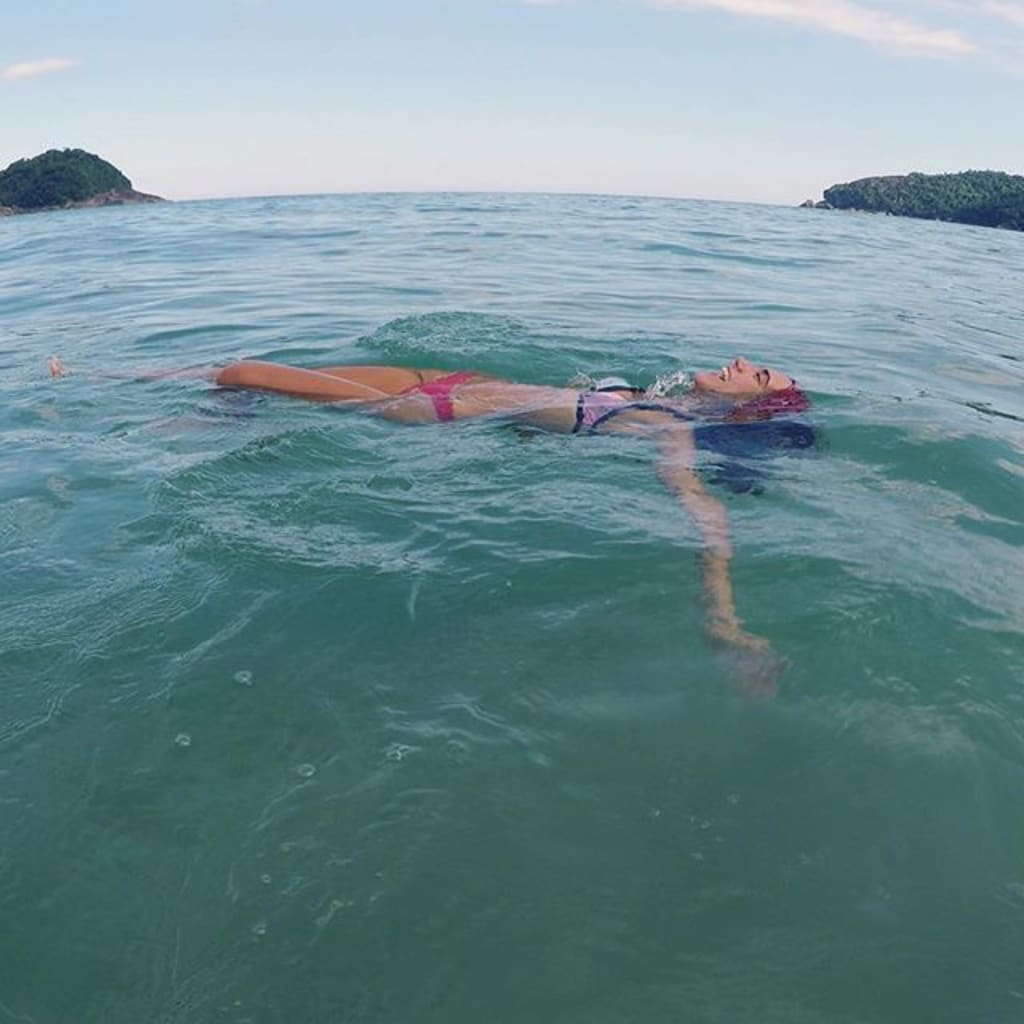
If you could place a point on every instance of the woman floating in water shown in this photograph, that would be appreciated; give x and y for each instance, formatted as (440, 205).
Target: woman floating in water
(721, 406)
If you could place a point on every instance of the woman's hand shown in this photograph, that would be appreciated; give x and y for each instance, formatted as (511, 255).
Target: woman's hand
(751, 658)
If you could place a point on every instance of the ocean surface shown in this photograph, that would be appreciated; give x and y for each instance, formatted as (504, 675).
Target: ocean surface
(307, 717)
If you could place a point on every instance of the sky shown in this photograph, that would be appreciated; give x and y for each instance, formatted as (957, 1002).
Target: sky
(763, 101)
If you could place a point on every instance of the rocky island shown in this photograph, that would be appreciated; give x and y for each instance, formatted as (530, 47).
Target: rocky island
(62, 179)
(984, 198)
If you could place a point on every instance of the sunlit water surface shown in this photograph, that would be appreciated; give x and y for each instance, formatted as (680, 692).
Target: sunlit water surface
(310, 717)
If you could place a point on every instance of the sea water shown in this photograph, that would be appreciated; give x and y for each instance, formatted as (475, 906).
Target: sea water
(306, 716)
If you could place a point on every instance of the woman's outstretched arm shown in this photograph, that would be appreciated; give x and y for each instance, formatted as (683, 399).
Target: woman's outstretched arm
(676, 459)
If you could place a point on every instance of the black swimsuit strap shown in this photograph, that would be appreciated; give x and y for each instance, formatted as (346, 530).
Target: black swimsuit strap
(618, 410)
(580, 409)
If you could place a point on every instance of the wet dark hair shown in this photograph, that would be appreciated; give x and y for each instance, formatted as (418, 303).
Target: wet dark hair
(759, 429)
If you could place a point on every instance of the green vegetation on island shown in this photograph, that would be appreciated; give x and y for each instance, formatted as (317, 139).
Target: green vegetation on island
(61, 178)
(985, 198)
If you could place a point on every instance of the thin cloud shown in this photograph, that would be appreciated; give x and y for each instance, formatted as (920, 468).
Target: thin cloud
(844, 18)
(1013, 13)
(32, 68)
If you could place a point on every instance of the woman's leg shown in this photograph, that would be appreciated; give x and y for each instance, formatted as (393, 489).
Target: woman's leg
(332, 383)
(366, 382)
(340, 384)
(388, 380)
(58, 369)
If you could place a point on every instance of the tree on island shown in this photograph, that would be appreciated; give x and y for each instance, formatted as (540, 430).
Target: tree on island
(984, 198)
(64, 177)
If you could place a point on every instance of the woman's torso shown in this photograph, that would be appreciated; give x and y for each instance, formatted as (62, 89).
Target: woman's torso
(560, 410)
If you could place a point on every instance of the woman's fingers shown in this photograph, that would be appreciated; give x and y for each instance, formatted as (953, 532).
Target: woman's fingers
(757, 668)
(751, 660)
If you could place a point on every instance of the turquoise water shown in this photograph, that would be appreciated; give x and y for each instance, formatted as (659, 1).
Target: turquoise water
(308, 717)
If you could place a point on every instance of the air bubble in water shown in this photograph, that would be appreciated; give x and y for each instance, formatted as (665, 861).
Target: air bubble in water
(183, 740)
(243, 677)
(307, 771)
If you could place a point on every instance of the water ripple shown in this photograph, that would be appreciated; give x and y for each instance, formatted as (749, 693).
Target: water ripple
(308, 711)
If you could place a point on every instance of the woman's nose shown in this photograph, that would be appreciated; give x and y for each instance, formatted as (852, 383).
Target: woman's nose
(741, 364)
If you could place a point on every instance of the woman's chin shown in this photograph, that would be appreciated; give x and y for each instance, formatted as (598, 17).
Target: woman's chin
(708, 381)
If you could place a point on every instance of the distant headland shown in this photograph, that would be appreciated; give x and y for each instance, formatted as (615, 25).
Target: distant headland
(62, 179)
(992, 199)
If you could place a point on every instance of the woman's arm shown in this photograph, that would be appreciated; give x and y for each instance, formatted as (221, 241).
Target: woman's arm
(675, 470)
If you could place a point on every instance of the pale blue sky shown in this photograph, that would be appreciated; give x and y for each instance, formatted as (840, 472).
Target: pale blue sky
(762, 100)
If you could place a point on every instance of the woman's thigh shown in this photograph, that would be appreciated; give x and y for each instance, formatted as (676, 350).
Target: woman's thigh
(389, 380)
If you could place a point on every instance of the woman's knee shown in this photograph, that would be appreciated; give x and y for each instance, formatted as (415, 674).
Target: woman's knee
(238, 375)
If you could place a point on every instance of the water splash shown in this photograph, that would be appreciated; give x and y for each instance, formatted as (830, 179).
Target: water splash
(673, 383)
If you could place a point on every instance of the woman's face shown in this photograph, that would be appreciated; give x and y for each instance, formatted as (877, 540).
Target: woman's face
(741, 377)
